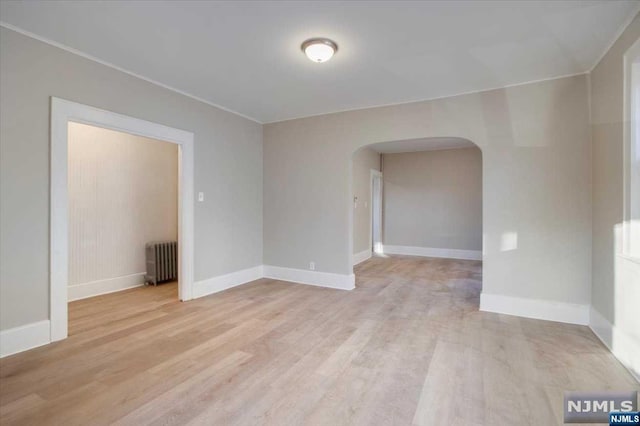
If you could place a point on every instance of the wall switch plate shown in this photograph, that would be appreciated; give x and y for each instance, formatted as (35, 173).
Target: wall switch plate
(312, 266)
(201, 196)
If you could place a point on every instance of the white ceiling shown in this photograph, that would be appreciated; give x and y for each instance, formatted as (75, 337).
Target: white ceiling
(422, 144)
(245, 56)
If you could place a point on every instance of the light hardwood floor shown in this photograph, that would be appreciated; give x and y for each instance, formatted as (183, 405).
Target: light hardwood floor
(407, 346)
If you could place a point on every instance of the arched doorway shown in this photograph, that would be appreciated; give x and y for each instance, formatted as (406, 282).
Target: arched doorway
(432, 204)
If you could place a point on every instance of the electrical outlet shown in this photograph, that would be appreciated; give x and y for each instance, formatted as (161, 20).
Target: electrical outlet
(200, 196)
(312, 266)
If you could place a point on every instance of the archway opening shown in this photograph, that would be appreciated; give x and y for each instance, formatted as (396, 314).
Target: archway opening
(417, 198)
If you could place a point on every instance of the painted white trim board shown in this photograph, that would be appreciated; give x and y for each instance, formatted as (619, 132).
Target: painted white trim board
(624, 347)
(106, 286)
(535, 308)
(361, 257)
(25, 337)
(375, 199)
(433, 252)
(224, 282)
(63, 111)
(301, 276)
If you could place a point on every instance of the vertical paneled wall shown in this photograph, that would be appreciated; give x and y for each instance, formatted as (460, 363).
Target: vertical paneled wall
(123, 192)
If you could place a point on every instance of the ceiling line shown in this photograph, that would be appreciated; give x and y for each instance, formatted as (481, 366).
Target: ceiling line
(116, 67)
(616, 37)
(197, 98)
(471, 92)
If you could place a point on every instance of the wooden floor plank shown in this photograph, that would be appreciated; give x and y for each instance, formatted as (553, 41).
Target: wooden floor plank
(407, 346)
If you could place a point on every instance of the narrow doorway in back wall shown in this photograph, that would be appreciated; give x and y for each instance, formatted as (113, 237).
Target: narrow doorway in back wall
(123, 225)
(376, 212)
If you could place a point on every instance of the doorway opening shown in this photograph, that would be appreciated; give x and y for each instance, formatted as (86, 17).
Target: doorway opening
(123, 223)
(425, 200)
(69, 281)
(376, 212)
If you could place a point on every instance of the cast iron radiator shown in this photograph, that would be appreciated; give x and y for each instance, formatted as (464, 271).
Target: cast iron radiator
(162, 262)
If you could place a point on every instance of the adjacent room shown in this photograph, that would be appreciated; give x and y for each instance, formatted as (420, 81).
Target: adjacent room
(419, 198)
(319, 213)
(122, 222)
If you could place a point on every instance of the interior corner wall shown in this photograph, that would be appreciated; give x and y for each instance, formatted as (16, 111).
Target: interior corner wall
(616, 279)
(364, 160)
(535, 142)
(433, 199)
(228, 166)
(123, 193)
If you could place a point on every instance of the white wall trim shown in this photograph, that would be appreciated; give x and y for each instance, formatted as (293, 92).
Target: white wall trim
(25, 337)
(301, 276)
(535, 308)
(376, 246)
(434, 252)
(63, 111)
(29, 336)
(109, 285)
(224, 282)
(624, 347)
(630, 227)
(361, 257)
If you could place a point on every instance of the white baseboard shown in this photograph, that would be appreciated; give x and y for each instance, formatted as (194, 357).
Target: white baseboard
(224, 282)
(434, 252)
(110, 285)
(361, 257)
(321, 279)
(25, 337)
(534, 308)
(623, 346)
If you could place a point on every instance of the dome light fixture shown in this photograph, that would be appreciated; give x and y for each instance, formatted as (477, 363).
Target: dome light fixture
(319, 49)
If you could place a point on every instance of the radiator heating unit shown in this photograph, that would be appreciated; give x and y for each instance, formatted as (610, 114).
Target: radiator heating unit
(162, 262)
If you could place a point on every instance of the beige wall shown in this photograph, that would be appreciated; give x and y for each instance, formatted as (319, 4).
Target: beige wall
(364, 160)
(123, 193)
(536, 176)
(536, 183)
(616, 279)
(228, 167)
(433, 199)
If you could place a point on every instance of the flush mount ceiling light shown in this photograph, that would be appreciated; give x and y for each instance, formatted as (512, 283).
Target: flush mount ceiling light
(319, 49)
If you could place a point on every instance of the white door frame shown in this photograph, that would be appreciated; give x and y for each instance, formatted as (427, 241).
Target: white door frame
(631, 179)
(62, 112)
(375, 174)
